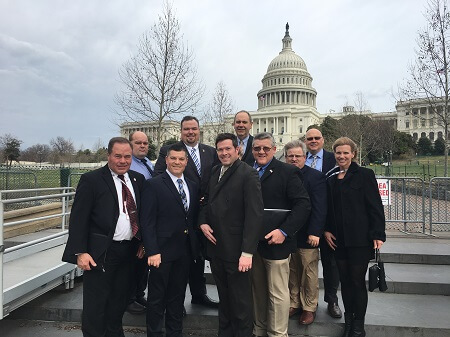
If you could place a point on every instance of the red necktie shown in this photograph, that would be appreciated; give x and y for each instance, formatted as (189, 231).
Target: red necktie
(130, 205)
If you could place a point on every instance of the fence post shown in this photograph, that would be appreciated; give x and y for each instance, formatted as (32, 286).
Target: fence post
(404, 204)
(2, 249)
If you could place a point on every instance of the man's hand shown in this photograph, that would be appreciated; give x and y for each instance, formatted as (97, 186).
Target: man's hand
(377, 244)
(154, 260)
(141, 251)
(275, 237)
(313, 240)
(245, 264)
(329, 237)
(207, 231)
(85, 261)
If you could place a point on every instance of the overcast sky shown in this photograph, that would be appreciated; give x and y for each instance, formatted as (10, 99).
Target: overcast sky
(59, 59)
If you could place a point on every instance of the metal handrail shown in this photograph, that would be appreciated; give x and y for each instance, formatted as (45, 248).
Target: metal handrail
(34, 242)
(42, 197)
(65, 195)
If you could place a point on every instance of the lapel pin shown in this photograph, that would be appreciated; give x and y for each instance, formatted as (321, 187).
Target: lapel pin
(134, 179)
(270, 171)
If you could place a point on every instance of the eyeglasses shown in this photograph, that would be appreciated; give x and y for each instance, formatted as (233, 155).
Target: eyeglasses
(292, 156)
(315, 138)
(266, 149)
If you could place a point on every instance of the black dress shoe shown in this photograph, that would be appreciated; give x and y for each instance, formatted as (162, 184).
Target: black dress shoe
(334, 310)
(142, 301)
(205, 301)
(135, 308)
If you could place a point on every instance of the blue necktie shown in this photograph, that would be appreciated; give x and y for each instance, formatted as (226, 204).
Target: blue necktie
(196, 161)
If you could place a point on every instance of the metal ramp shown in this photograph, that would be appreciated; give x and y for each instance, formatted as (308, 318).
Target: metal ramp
(30, 269)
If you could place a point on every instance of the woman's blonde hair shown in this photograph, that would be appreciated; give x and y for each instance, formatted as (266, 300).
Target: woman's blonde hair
(346, 141)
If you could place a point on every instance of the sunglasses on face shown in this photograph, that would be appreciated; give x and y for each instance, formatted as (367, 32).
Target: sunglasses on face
(315, 138)
(266, 149)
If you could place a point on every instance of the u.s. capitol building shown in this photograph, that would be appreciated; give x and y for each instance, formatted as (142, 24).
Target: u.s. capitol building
(287, 106)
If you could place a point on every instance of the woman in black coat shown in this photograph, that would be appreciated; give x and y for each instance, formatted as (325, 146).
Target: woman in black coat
(354, 228)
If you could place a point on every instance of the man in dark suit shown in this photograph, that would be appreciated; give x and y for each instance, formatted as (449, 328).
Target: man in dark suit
(104, 238)
(324, 161)
(304, 263)
(170, 208)
(242, 125)
(201, 160)
(139, 276)
(287, 208)
(231, 220)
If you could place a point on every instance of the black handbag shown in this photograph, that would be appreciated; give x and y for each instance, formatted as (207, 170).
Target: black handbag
(377, 275)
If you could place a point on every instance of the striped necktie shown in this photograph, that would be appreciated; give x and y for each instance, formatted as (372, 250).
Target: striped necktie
(182, 194)
(314, 161)
(196, 161)
(129, 207)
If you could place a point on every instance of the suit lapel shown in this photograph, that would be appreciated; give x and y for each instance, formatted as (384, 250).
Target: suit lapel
(203, 159)
(228, 173)
(135, 188)
(191, 163)
(169, 183)
(107, 177)
(248, 149)
(269, 169)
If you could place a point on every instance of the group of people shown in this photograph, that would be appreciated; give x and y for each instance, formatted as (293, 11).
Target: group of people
(258, 220)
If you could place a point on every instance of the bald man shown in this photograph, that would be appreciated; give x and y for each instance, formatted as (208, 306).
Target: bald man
(321, 160)
(137, 302)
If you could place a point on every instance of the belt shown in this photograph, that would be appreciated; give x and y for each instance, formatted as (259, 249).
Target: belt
(122, 241)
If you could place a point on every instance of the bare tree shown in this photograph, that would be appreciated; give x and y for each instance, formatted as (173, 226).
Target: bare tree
(429, 74)
(218, 108)
(160, 81)
(63, 150)
(10, 146)
(38, 153)
(360, 102)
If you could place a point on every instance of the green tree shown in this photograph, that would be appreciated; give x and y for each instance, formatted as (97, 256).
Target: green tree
(404, 144)
(170, 141)
(330, 131)
(424, 146)
(11, 148)
(151, 154)
(439, 146)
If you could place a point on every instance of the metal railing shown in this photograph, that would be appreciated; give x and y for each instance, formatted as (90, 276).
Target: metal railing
(12, 179)
(418, 206)
(439, 204)
(19, 294)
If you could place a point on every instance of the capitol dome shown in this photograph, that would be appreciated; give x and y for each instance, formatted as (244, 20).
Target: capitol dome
(287, 81)
(287, 100)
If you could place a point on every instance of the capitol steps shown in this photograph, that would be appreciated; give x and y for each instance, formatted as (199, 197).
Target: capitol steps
(416, 304)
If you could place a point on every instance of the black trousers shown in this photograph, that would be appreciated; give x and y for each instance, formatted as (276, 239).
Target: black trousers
(139, 279)
(167, 289)
(330, 272)
(235, 299)
(105, 292)
(197, 279)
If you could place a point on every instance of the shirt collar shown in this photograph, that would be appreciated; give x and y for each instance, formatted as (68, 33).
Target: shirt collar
(192, 147)
(175, 178)
(318, 154)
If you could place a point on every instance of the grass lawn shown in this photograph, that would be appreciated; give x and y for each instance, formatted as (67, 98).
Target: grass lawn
(425, 167)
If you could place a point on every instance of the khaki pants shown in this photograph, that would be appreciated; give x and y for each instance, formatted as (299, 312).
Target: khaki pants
(304, 279)
(270, 280)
